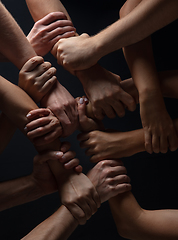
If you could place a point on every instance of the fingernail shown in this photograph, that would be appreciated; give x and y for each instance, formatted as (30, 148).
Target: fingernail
(25, 129)
(81, 101)
(28, 115)
(59, 154)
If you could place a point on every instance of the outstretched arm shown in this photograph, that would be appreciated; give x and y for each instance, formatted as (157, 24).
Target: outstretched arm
(147, 17)
(135, 223)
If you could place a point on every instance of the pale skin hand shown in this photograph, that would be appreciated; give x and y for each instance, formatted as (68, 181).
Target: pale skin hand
(48, 31)
(37, 77)
(64, 107)
(70, 57)
(105, 93)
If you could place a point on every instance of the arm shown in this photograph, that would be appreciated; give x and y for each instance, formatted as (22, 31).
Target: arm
(102, 144)
(111, 99)
(135, 223)
(146, 18)
(108, 178)
(158, 128)
(67, 180)
(7, 130)
(14, 46)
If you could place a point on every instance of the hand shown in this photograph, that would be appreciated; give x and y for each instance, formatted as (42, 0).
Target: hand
(103, 90)
(37, 77)
(109, 178)
(75, 53)
(42, 174)
(68, 159)
(86, 124)
(43, 127)
(158, 127)
(79, 196)
(48, 31)
(64, 106)
(109, 145)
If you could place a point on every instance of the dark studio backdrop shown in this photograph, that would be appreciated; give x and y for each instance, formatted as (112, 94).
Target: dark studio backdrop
(154, 177)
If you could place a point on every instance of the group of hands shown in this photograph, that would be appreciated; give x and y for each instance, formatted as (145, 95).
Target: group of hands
(60, 114)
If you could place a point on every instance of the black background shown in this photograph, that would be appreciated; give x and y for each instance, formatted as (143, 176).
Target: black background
(153, 177)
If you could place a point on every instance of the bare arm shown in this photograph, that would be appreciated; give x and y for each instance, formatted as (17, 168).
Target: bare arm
(146, 18)
(135, 223)
(108, 178)
(13, 44)
(7, 130)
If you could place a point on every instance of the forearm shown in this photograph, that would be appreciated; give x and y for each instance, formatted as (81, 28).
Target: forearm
(18, 191)
(145, 19)
(7, 130)
(13, 43)
(40, 8)
(60, 225)
(135, 223)
(16, 109)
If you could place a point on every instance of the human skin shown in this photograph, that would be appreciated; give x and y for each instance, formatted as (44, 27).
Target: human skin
(111, 99)
(109, 178)
(146, 18)
(136, 223)
(159, 131)
(39, 183)
(16, 110)
(105, 144)
(11, 49)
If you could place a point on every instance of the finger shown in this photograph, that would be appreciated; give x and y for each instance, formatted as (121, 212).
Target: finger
(45, 76)
(121, 188)
(68, 156)
(36, 113)
(48, 85)
(59, 25)
(77, 213)
(156, 143)
(83, 136)
(119, 108)
(51, 17)
(173, 141)
(65, 146)
(83, 204)
(55, 39)
(51, 128)
(148, 141)
(72, 163)
(42, 68)
(115, 171)
(32, 63)
(163, 144)
(108, 111)
(98, 112)
(50, 155)
(78, 169)
(128, 101)
(36, 124)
